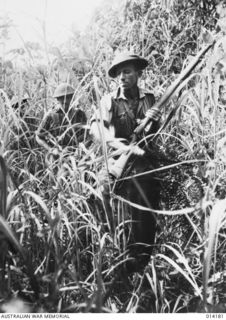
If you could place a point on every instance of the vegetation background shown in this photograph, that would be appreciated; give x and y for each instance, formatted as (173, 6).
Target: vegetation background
(57, 255)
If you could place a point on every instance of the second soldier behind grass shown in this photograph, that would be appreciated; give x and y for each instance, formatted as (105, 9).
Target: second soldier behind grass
(63, 127)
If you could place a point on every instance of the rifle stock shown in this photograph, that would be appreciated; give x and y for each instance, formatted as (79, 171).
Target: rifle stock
(119, 165)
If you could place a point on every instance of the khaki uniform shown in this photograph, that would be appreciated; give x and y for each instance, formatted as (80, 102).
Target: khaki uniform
(118, 112)
(65, 128)
(122, 116)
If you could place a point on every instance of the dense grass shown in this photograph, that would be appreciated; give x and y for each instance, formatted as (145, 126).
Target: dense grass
(58, 252)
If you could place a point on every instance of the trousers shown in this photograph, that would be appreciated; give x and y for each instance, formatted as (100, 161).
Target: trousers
(138, 191)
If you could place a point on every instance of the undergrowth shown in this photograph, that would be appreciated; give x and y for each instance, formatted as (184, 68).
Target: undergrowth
(58, 252)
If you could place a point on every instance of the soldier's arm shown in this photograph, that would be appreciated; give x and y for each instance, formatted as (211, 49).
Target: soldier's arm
(43, 136)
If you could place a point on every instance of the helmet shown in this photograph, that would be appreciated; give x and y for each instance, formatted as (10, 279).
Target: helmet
(62, 90)
(122, 58)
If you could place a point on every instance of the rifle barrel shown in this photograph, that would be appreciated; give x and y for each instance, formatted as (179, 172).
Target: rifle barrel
(120, 164)
(170, 91)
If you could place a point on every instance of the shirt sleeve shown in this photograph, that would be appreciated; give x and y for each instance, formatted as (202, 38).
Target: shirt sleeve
(46, 126)
(150, 101)
(104, 112)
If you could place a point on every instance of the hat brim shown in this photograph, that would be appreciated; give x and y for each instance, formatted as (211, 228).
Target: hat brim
(63, 90)
(140, 63)
(55, 96)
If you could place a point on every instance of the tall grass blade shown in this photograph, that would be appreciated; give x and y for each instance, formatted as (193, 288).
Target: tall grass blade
(42, 204)
(179, 269)
(216, 216)
(9, 236)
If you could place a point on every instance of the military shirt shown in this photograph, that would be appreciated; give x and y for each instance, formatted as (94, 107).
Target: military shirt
(65, 128)
(122, 114)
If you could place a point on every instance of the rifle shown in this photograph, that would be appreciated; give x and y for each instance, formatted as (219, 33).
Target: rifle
(118, 167)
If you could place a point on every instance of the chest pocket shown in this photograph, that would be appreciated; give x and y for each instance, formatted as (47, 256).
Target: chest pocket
(123, 120)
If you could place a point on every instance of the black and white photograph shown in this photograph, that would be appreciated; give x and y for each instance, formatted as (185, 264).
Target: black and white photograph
(112, 158)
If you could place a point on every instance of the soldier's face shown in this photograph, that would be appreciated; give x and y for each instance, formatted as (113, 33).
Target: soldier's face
(128, 76)
(65, 101)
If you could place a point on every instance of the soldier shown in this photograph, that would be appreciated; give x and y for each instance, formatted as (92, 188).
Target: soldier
(21, 143)
(122, 111)
(24, 112)
(62, 127)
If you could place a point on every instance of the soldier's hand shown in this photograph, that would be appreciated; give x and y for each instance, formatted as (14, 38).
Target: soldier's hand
(123, 148)
(153, 114)
(137, 150)
(55, 151)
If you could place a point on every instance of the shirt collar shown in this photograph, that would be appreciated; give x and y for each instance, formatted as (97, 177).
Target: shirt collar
(118, 94)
